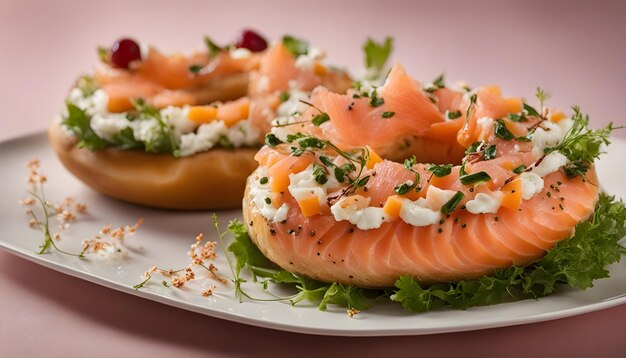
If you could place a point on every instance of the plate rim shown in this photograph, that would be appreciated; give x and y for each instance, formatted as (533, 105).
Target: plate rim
(239, 318)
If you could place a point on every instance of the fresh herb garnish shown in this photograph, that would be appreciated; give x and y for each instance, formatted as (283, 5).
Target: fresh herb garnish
(87, 86)
(320, 174)
(125, 140)
(271, 140)
(295, 45)
(449, 206)
(163, 140)
(440, 170)
(454, 114)
(490, 152)
(264, 180)
(376, 101)
(388, 114)
(376, 55)
(474, 178)
(514, 117)
(103, 53)
(580, 144)
(471, 107)
(284, 96)
(320, 118)
(195, 69)
(519, 169)
(502, 131)
(438, 83)
(409, 185)
(78, 122)
(475, 148)
(213, 48)
(531, 111)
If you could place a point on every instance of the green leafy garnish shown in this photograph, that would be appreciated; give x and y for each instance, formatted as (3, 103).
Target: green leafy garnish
(490, 152)
(376, 101)
(514, 117)
(295, 45)
(284, 96)
(454, 114)
(575, 262)
(125, 139)
(195, 69)
(519, 169)
(87, 86)
(271, 140)
(377, 54)
(475, 178)
(78, 122)
(449, 206)
(438, 83)
(388, 114)
(320, 118)
(440, 170)
(502, 131)
(103, 53)
(163, 140)
(582, 145)
(320, 174)
(213, 48)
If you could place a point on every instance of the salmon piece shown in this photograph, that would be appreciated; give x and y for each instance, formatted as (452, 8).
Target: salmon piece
(463, 246)
(489, 103)
(356, 123)
(166, 81)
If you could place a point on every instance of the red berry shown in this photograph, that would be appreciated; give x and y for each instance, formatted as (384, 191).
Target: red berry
(123, 52)
(251, 40)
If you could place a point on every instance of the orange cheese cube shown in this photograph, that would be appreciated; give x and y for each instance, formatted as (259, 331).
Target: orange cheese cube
(310, 206)
(557, 116)
(373, 159)
(319, 69)
(235, 111)
(513, 105)
(393, 205)
(202, 114)
(512, 194)
(508, 165)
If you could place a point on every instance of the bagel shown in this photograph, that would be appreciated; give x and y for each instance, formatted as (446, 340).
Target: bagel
(324, 203)
(214, 179)
(180, 132)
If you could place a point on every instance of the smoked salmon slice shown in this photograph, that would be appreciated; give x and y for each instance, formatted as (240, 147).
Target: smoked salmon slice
(500, 196)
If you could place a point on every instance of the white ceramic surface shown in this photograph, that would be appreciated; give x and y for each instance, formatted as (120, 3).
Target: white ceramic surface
(164, 238)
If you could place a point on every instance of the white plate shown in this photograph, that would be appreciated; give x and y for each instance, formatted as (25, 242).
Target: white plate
(164, 239)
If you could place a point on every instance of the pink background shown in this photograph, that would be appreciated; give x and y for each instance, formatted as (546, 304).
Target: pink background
(574, 49)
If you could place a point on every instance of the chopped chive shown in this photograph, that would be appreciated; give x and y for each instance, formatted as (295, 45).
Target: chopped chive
(502, 131)
(519, 169)
(449, 207)
(474, 178)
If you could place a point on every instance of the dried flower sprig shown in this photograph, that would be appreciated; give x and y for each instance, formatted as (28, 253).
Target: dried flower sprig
(115, 239)
(65, 212)
(200, 255)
